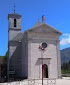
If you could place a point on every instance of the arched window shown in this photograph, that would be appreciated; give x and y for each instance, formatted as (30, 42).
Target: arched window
(14, 22)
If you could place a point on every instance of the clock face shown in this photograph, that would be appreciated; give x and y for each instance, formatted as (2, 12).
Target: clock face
(44, 45)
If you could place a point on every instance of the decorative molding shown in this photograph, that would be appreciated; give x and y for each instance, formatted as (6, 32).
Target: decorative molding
(47, 40)
(14, 29)
(40, 33)
(45, 60)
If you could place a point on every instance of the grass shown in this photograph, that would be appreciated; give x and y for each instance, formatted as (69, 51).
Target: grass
(65, 71)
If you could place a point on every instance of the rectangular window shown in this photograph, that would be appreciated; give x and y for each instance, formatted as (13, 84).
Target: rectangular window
(14, 22)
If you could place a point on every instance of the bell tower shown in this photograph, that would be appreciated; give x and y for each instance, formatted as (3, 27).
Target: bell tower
(13, 31)
(14, 25)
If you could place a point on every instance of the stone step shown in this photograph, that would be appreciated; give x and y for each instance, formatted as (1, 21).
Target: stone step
(63, 81)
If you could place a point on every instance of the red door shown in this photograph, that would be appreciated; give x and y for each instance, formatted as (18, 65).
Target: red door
(45, 71)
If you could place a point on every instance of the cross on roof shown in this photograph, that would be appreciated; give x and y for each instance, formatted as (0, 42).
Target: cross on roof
(14, 8)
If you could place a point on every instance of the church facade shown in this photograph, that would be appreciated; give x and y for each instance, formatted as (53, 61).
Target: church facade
(25, 59)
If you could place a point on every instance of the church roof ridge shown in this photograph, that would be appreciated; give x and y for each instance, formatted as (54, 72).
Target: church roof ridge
(42, 25)
(37, 24)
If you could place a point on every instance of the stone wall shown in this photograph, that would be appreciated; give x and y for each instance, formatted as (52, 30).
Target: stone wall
(15, 57)
(24, 55)
(35, 68)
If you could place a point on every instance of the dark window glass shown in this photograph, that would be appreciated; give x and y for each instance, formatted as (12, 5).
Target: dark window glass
(44, 45)
(14, 22)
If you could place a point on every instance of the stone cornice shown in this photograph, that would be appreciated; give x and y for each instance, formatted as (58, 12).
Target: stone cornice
(14, 29)
(57, 34)
(42, 40)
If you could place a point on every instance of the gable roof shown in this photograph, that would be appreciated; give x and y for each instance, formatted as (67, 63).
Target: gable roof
(43, 24)
(37, 24)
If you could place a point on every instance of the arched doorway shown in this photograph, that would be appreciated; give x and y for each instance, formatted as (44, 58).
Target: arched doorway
(45, 71)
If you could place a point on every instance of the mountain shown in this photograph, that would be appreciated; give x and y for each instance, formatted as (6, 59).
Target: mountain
(65, 55)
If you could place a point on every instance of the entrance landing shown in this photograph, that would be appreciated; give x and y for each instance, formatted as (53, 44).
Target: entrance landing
(63, 81)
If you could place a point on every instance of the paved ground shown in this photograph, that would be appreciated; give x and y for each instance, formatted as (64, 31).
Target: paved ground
(63, 81)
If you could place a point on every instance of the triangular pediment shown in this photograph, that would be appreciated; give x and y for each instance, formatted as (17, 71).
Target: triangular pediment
(44, 28)
(37, 24)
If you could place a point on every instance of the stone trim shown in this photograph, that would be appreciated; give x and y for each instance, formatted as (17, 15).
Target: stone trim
(41, 40)
(14, 29)
(58, 56)
(44, 33)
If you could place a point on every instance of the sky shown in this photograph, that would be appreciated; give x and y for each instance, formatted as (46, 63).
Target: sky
(56, 13)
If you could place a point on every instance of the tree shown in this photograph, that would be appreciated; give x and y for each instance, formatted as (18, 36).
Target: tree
(4, 65)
